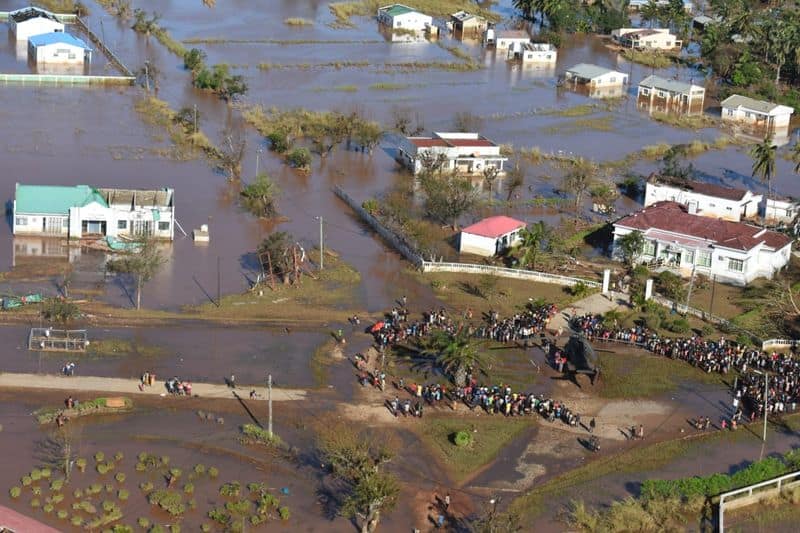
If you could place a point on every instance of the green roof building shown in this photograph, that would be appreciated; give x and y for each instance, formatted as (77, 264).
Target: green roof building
(402, 17)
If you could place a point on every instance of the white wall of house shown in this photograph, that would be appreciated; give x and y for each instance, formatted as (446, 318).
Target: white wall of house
(407, 21)
(707, 206)
(780, 210)
(506, 42)
(778, 117)
(608, 79)
(40, 224)
(62, 53)
(487, 246)
(736, 267)
(662, 40)
(35, 26)
(539, 53)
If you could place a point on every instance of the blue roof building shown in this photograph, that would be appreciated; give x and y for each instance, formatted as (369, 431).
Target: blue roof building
(58, 47)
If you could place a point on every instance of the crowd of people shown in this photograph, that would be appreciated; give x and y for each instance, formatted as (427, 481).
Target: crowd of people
(178, 387)
(720, 356)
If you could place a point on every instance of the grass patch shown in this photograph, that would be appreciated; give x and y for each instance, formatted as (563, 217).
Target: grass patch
(287, 42)
(169, 42)
(456, 52)
(321, 360)
(386, 86)
(388, 67)
(338, 88)
(693, 122)
(298, 21)
(648, 58)
(47, 415)
(574, 111)
(489, 436)
(106, 347)
(655, 151)
(580, 125)
(186, 144)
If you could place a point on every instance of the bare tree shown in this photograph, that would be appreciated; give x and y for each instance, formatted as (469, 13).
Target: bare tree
(516, 178)
(578, 179)
(490, 174)
(58, 450)
(231, 153)
(142, 264)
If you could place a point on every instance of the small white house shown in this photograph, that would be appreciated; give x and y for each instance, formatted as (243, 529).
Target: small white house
(468, 23)
(504, 39)
(30, 21)
(79, 211)
(597, 82)
(732, 252)
(636, 5)
(490, 236)
(648, 38)
(703, 199)
(661, 93)
(533, 53)
(465, 153)
(756, 113)
(58, 47)
(780, 210)
(401, 17)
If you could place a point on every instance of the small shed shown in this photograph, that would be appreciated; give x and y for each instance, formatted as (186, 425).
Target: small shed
(30, 21)
(467, 23)
(402, 17)
(490, 236)
(58, 47)
(504, 39)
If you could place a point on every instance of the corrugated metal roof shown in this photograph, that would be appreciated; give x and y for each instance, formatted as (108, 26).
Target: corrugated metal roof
(589, 71)
(57, 37)
(138, 197)
(736, 101)
(32, 12)
(396, 9)
(54, 199)
(675, 86)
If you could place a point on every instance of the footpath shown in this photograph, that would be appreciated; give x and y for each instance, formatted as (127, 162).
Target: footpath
(131, 387)
(595, 304)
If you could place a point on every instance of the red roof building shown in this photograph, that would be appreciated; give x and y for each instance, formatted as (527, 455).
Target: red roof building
(15, 522)
(731, 251)
(490, 236)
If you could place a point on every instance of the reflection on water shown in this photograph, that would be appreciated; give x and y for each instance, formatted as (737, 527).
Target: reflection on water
(28, 249)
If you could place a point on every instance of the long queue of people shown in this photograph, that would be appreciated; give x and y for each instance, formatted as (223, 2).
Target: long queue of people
(720, 356)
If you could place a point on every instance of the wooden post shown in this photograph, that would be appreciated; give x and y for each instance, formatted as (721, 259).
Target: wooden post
(271, 275)
(269, 403)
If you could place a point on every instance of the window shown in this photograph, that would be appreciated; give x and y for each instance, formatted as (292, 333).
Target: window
(645, 92)
(661, 94)
(65, 223)
(122, 224)
(21, 221)
(163, 226)
(729, 112)
(735, 265)
(748, 114)
(649, 248)
(688, 257)
(704, 259)
(612, 79)
(729, 208)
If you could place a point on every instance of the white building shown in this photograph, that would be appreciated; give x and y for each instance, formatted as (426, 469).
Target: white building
(756, 114)
(703, 199)
(649, 38)
(533, 53)
(667, 95)
(30, 21)
(401, 17)
(467, 23)
(79, 211)
(636, 5)
(503, 39)
(597, 82)
(732, 252)
(490, 236)
(465, 153)
(780, 210)
(58, 47)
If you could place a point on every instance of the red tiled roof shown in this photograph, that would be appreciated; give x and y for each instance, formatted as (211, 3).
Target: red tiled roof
(673, 217)
(427, 142)
(494, 227)
(707, 189)
(10, 519)
(469, 142)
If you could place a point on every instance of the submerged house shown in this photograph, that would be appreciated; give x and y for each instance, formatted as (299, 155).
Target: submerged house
(647, 38)
(467, 23)
(29, 21)
(765, 117)
(533, 53)
(703, 199)
(81, 211)
(503, 39)
(465, 153)
(662, 94)
(402, 17)
(58, 47)
(490, 236)
(595, 80)
(733, 252)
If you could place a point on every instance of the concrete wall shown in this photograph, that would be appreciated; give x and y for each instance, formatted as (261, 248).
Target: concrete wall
(477, 244)
(62, 53)
(531, 275)
(706, 205)
(35, 26)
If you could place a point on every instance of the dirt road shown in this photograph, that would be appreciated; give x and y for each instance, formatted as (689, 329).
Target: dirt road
(131, 386)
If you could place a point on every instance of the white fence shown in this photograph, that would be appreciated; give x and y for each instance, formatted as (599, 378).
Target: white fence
(531, 275)
(778, 343)
(764, 489)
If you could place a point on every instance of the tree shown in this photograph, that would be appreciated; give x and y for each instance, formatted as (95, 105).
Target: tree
(578, 179)
(763, 155)
(260, 197)
(299, 158)
(516, 179)
(189, 119)
(148, 76)
(465, 122)
(448, 197)
(143, 24)
(490, 174)
(673, 164)
(357, 460)
(457, 354)
(142, 264)
(60, 310)
(431, 163)
(368, 134)
(796, 156)
(534, 240)
(274, 253)
(603, 194)
(194, 60)
(493, 521)
(631, 245)
(231, 153)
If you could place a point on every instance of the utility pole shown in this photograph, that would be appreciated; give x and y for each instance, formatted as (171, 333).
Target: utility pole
(269, 403)
(321, 249)
(219, 301)
(195, 118)
(766, 398)
(258, 160)
(713, 290)
(147, 75)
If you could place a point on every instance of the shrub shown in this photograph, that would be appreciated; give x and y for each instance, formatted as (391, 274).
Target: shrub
(120, 477)
(205, 528)
(123, 495)
(46, 473)
(371, 206)
(283, 512)
(213, 472)
(679, 325)
(80, 462)
(94, 488)
(102, 469)
(231, 489)
(118, 456)
(579, 290)
(99, 457)
(62, 514)
(48, 508)
(77, 494)
(36, 474)
(14, 492)
(174, 528)
(199, 469)
(278, 142)
(35, 503)
(175, 472)
(76, 521)
(26, 481)
(146, 486)
(143, 522)
(462, 438)
(87, 507)
(168, 500)
(56, 485)
(299, 158)
(37, 490)
(57, 498)
(108, 506)
(165, 460)
(188, 488)
(141, 467)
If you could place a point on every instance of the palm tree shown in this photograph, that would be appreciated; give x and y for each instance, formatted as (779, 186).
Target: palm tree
(457, 354)
(763, 155)
(525, 6)
(533, 238)
(649, 12)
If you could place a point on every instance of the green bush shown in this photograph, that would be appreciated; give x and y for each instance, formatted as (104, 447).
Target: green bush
(278, 142)
(109, 488)
(76, 520)
(80, 462)
(108, 506)
(56, 498)
(174, 528)
(462, 438)
(56, 485)
(231, 489)
(143, 522)
(146, 486)
(87, 507)
(26, 481)
(36, 503)
(48, 508)
(175, 472)
(283, 512)
(205, 528)
(94, 488)
(99, 457)
(118, 456)
(141, 467)
(299, 158)
(165, 460)
(213, 472)
(188, 488)
(120, 477)
(36, 474)
(14, 492)
(371, 206)
(37, 490)
(62, 514)
(199, 469)
(679, 325)
(46, 473)
(123, 495)
(102, 469)
(77, 494)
